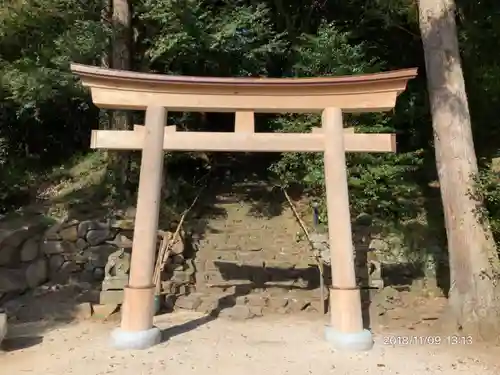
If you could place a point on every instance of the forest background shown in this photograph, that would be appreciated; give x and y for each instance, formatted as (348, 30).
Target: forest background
(46, 115)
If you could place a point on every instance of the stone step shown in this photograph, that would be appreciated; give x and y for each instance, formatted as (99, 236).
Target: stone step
(237, 261)
(300, 278)
(225, 274)
(258, 236)
(269, 254)
(272, 258)
(250, 226)
(283, 286)
(262, 249)
(255, 246)
(204, 255)
(228, 247)
(248, 222)
(268, 302)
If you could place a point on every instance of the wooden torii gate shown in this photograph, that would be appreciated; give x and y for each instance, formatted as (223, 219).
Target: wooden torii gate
(158, 93)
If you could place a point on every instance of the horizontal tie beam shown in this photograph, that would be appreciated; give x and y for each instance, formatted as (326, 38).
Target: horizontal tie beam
(168, 128)
(241, 142)
(319, 130)
(247, 128)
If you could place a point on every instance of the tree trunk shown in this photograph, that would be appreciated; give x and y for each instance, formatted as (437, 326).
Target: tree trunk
(104, 114)
(121, 59)
(474, 265)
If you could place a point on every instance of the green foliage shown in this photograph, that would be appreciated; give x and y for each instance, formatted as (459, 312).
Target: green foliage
(379, 184)
(225, 40)
(331, 53)
(488, 186)
(46, 116)
(39, 39)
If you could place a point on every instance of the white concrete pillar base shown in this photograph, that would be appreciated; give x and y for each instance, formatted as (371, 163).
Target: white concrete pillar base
(355, 342)
(135, 340)
(3, 326)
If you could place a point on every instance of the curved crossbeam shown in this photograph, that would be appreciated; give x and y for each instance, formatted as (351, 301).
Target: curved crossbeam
(129, 90)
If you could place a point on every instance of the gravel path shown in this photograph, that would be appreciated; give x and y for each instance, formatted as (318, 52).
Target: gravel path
(275, 346)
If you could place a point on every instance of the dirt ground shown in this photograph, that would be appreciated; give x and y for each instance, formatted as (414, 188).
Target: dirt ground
(195, 344)
(47, 336)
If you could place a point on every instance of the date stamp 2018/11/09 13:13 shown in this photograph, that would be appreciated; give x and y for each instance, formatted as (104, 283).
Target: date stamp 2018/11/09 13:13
(395, 340)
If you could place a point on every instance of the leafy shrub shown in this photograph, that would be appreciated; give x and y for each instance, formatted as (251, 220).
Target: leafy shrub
(378, 184)
(488, 186)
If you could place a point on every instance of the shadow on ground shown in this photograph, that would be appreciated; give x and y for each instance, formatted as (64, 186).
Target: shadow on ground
(191, 325)
(11, 344)
(43, 309)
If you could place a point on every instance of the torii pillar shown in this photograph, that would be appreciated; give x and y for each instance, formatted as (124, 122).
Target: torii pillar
(137, 331)
(346, 320)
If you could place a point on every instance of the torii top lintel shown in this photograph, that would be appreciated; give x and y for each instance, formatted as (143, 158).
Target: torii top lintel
(130, 90)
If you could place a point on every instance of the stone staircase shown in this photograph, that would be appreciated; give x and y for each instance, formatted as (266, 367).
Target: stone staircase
(250, 263)
(253, 259)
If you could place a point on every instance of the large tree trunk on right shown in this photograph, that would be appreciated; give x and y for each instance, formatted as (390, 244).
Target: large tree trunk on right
(474, 264)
